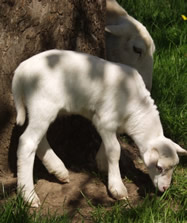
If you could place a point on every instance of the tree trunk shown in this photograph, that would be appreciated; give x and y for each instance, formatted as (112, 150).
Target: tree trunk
(27, 28)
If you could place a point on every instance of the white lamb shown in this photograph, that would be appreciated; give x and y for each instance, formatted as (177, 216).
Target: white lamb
(128, 41)
(112, 96)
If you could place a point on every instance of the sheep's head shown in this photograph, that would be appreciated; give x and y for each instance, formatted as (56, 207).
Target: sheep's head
(130, 43)
(161, 160)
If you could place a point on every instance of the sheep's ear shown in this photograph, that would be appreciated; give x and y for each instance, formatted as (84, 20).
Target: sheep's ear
(151, 157)
(116, 30)
(180, 150)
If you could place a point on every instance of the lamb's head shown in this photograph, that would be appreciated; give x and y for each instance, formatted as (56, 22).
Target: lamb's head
(129, 42)
(161, 160)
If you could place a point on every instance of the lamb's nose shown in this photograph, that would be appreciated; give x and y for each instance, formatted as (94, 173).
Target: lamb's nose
(165, 188)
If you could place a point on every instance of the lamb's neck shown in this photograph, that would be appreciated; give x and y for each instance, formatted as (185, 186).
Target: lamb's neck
(144, 126)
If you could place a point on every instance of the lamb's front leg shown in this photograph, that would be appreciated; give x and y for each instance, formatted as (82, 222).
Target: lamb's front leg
(112, 151)
(52, 162)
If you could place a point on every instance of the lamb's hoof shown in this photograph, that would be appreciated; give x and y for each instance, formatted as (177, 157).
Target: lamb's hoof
(35, 203)
(64, 178)
(32, 200)
(119, 192)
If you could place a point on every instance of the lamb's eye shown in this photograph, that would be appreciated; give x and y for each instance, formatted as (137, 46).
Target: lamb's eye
(159, 168)
(137, 50)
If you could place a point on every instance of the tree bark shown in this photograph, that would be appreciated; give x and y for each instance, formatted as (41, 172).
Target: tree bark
(29, 27)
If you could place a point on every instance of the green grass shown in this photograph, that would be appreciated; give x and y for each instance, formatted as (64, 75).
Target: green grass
(170, 92)
(15, 210)
(151, 210)
(169, 31)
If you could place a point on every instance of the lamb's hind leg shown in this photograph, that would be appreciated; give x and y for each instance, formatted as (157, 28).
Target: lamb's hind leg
(27, 147)
(39, 121)
(51, 161)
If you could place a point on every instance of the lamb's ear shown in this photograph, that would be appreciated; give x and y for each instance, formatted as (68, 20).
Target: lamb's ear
(151, 157)
(180, 150)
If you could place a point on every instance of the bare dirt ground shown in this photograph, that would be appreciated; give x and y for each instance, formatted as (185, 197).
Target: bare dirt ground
(85, 181)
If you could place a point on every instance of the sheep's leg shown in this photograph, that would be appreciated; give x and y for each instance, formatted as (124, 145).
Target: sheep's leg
(101, 159)
(51, 161)
(112, 150)
(28, 144)
(39, 121)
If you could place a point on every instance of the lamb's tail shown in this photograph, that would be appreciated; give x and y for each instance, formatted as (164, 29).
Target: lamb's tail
(18, 98)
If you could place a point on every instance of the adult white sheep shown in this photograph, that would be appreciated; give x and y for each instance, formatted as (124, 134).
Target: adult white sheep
(112, 96)
(128, 41)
